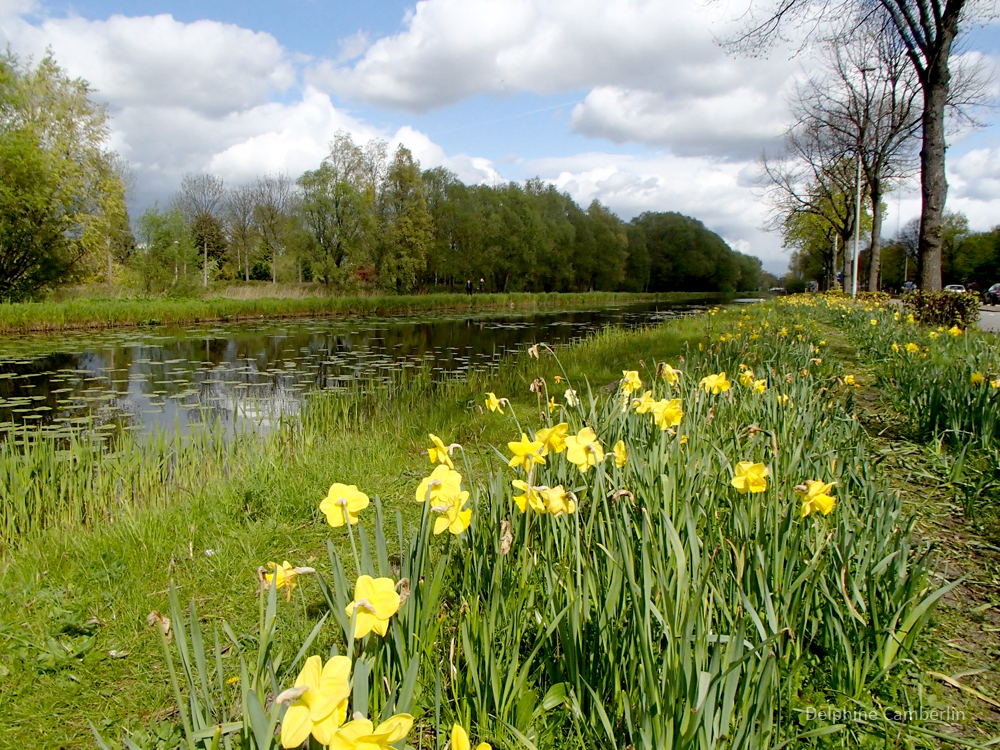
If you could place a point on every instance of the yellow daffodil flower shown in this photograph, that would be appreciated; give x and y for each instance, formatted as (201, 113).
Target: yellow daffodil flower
(530, 496)
(343, 504)
(815, 497)
(553, 438)
(621, 454)
(684, 439)
(361, 734)
(460, 740)
(584, 450)
(977, 378)
(442, 483)
(783, 332)
(553, 404)
(667, 414)
(438, 453)
(559, 378)
(995, 383)
(912, 348)
(283, 576)
(318, 701)
(760, 385)
(455, 518)
(746, 378)
(375, 601)
(874, 321)
(895, 316)
(669, 374)
(526, 452)
(558, 501)
(894, 347)
(570, 397)
(493, 403)
(750, 477)
(933, 335)
(849, 380)
(954, 331)
(715, 384)
(630, 382)
(644, 404)
(910, 318)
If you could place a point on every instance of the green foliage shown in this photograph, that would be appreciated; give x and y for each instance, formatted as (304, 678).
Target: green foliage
(167, 258)
(61, 199)
(943, 308)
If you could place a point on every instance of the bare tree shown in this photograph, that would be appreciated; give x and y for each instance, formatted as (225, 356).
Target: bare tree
(927, 30)
(199, 199)
(273, 203)
(239, 210)
(866, 100)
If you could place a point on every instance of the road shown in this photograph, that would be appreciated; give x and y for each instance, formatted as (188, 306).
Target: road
(989, 318)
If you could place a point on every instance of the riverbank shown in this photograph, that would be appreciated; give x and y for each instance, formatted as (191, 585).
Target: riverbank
(75, 644)
(96, 313)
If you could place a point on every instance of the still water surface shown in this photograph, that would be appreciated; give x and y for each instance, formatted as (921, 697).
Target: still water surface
(144, 379)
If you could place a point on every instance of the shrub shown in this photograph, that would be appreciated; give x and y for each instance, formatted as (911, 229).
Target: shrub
(943, 308)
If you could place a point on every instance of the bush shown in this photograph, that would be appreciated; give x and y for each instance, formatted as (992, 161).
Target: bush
(879, 298)
(943, 308)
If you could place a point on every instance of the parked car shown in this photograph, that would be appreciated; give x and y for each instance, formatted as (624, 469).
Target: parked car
(993, 295)
(957, 288)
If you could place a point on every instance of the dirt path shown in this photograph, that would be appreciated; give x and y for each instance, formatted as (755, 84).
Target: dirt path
(959, 658)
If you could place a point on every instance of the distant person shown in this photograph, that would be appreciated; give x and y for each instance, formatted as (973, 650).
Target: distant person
(468, 287)
(482, 284)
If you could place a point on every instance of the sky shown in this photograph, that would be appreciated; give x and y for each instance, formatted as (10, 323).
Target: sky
(629, 102)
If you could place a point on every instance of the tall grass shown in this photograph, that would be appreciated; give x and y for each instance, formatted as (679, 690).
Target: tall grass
(666, 610)
(110, 313)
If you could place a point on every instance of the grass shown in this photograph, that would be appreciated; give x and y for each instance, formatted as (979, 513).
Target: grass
(95, 313)
(71, 597)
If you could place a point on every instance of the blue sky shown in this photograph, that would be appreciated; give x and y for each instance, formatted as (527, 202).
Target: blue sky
(629, 102)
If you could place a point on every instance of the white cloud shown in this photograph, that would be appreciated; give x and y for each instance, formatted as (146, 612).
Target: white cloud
(655, 72)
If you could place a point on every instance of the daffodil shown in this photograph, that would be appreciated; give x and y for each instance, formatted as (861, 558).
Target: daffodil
(460, 740)
(455, 517)
(318, 701)
(552, 438)
(874, 321)
(910, 318)
(553, 404)
(361, 734)
(815, 497)
(760, 385)
(894, 347)
(630, 382)
(493, 403)
(526, 452)
(530, 496)
(343, 504)
(995, 383)
(750, 477)
(283, 576)
(375, 601)
(443, 482)
(644, 404)
(912, 348)
(669, 374)
(558, 501)
(584, 450)
(954, 331)
(933, 334)
(977, 378)
(667, 414)
(746, 378)
(849, 380)
(438, 453)
(621, 454)
(715, 384)
(570, 397)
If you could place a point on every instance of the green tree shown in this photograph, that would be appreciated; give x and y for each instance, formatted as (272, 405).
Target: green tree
(406, 230)
(166, 258)
(61, 198)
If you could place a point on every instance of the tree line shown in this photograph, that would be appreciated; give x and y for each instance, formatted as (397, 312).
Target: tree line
(361, 220)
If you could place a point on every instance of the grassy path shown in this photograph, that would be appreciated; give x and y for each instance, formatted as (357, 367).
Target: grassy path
(961, 655)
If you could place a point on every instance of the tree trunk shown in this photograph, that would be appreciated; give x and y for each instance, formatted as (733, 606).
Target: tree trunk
(204, 282)
(933, 183)
(274, 266)
(111, 269)
(876, 259)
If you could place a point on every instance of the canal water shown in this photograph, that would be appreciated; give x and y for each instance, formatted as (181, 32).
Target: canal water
(144, 379)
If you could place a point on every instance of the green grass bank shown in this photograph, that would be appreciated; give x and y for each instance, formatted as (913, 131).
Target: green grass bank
(835, 599)
(29, 317)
